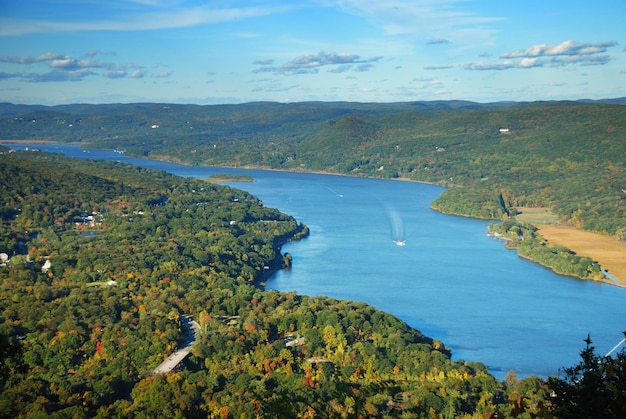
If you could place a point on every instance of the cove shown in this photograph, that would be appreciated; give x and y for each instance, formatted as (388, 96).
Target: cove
(450, 280)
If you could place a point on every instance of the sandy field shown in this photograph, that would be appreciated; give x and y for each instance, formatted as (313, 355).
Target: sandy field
(608, 252)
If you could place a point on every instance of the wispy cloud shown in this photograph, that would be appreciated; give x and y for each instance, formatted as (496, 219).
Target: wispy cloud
(341, 69)
(61, 67)
(139, 19)
(161, 75)
(364, 67)
(6, 76)
(114, 74)
(264, 62)
(416, 17)
(137, 74)
(60, 61)
(57, 76)
(438, 41)
(310, 64)
(542, 55)
(48, 56)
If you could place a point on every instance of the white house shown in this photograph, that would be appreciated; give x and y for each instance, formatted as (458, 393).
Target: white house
(46, 266)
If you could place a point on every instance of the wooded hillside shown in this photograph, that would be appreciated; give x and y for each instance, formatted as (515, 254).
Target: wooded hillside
(566, 156)
(100, 261)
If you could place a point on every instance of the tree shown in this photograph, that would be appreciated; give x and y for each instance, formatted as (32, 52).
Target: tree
(595, 388)
(11, 361)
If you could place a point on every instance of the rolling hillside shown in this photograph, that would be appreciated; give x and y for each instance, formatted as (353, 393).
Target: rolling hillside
(566, 156)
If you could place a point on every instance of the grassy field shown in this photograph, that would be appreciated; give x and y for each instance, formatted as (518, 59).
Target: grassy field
(536, 216)
(608, 252)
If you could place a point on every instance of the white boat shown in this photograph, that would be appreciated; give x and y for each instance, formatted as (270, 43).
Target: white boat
(400, 242)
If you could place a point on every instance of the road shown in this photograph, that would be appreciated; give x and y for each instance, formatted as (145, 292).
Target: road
(193, 328)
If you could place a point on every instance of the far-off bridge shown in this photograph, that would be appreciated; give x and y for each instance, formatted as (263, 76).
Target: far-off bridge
(177, 357)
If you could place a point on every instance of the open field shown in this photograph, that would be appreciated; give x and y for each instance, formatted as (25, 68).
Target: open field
(608, 252)
(536, 216)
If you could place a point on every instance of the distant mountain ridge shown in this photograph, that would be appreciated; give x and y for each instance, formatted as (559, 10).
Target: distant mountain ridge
(10, 109)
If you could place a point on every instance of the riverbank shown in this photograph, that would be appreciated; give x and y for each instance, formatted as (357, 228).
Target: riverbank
(608, 252)
(37, 142)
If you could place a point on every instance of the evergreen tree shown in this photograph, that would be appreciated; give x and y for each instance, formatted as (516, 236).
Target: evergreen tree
(595, 388)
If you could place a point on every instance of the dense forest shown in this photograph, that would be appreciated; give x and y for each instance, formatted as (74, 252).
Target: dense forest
(566, 156)
(100, 261)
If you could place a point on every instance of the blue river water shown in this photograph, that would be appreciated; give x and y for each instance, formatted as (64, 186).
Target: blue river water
(448, 279)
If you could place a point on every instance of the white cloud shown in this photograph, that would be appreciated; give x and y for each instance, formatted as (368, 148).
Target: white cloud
(48, 56)
(57, 76)
(137, 74)
(311, 64)
(114, 74)
(55, 60)
(564, 48)
(63, 67)
(505, 65)
(161, 75)
(542, 55)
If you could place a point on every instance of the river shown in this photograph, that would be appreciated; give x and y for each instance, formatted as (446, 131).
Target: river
(449, 279)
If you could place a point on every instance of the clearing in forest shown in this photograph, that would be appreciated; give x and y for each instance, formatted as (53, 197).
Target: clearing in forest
(610, 253)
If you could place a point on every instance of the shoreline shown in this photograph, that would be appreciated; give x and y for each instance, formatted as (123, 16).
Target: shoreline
(605, 250)
(606, 279)
(267, 275)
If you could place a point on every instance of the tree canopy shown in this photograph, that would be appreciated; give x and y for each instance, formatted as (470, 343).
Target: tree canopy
(104, 258)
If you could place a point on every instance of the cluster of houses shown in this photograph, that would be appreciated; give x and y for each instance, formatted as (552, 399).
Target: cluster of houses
(93, 220)
(5, 259)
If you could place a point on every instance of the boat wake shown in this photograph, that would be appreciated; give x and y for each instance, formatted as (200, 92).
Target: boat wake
(397, 227)
(335, 192)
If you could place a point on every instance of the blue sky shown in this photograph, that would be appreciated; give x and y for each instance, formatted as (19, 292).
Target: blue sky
(232, 51)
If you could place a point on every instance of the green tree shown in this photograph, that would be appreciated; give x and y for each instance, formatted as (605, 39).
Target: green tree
(595, 388)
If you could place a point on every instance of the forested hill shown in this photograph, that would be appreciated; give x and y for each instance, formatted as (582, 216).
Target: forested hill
(565, 155)
(99, 260)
